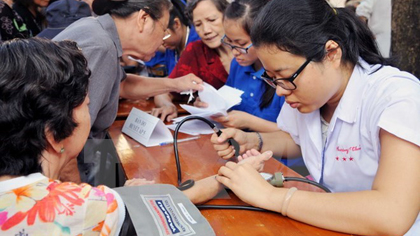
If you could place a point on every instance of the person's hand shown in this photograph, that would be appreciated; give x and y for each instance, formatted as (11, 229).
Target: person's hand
(246, 183)
(168, 111)
(199, 103)
(234, 119)
(188, 82)
(221, 145)
(255, 158)
(138, 182)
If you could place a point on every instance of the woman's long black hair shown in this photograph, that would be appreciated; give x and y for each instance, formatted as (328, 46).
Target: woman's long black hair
(302, 27)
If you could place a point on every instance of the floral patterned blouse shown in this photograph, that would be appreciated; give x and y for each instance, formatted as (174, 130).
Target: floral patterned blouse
(36, 205)
(11, 24)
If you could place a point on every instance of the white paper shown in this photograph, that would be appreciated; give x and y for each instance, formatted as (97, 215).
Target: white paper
(232, 96)
(219, 101)
(146, 129)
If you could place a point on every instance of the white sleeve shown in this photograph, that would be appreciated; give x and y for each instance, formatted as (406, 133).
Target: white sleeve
(401, 115)
(365, 8)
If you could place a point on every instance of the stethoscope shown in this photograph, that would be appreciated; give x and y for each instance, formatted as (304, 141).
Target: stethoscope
(277, 180)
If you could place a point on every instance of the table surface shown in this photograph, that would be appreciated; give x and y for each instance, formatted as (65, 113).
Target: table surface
(199, 160)
(125, 106)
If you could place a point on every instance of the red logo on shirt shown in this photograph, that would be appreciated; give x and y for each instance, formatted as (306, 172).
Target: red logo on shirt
(346, 154)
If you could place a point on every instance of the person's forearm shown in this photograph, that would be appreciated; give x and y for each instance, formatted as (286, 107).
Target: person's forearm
(139, 87)
(260, 125)
(390, 208)
(203, 190)
(365, 213)
(279, 142)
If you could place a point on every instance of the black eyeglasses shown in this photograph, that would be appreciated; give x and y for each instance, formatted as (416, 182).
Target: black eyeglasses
(285, 83)
(239, 49)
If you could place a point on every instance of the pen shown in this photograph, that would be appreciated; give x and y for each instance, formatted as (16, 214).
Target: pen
(180, 140)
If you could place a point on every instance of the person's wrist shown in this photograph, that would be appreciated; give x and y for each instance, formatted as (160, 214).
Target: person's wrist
(260, 141)
(252, 141)
(172, 84)
(273, 200)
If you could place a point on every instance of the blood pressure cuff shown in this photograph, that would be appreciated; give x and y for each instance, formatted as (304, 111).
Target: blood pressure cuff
(163, 210)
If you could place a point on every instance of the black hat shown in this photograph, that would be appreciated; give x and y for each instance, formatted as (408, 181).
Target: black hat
(63, 13)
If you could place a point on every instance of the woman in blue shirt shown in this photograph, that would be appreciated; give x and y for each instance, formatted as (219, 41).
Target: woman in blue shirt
(259, 108)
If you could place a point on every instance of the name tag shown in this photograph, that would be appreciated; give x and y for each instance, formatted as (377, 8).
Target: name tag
(146, 129)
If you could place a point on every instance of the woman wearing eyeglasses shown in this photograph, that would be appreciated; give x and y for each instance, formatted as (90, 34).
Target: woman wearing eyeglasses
(353, 118)
(133, 28)
(260, 107)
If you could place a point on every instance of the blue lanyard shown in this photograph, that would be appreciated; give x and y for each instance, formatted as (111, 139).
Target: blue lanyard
(321, 180)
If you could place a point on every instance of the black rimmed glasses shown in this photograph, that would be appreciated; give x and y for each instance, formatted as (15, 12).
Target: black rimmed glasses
(285, 83)
(239, 49)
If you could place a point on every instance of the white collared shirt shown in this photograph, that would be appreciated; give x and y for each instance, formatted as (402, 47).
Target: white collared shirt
(388, 99)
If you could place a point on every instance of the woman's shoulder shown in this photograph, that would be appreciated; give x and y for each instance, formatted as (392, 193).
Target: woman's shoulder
(45, 188)
(64, 203)
(385, 81)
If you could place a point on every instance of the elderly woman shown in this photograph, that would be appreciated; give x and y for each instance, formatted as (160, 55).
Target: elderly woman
(207, 58)
(44, 124)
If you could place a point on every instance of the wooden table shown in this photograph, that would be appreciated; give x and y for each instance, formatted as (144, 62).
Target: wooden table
(125, 106)
(199, 160)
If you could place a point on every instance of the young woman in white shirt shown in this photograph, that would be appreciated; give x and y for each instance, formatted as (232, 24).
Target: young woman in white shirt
(327, 65)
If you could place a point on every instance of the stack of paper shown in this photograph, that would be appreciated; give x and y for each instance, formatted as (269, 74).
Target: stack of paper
(219, 102)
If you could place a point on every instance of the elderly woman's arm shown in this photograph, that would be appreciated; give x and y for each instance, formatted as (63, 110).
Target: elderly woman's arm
(205, 189)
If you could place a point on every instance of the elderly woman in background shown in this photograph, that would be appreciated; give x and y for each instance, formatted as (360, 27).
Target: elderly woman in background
(11, 24)
(207, 58)
(31, 14)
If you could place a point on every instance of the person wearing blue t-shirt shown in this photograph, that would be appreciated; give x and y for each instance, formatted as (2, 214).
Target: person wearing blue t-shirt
(180, 35)
(260, 107)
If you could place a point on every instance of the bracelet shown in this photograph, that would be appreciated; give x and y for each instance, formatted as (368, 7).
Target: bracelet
(286, 200)
(260, 141)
